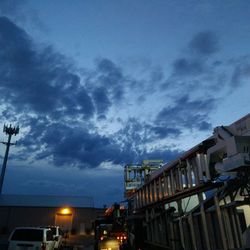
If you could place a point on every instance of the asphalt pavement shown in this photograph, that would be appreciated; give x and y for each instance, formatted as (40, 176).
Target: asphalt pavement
(79, 242)
(74, 242)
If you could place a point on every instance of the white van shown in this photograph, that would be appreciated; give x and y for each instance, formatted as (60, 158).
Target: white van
(31, 238)
(57, 234)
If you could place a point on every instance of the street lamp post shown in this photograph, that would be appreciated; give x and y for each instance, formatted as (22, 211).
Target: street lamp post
(8, 130)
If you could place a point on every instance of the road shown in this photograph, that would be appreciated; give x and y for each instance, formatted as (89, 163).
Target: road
(74, 242)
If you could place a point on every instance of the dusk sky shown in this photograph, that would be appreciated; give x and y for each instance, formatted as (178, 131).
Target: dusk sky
(94, 85)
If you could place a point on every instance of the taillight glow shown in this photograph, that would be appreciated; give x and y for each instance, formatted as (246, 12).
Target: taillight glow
(121, 238)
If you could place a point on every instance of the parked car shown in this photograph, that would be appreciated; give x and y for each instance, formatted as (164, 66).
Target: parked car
(57, 234)
(31, 238)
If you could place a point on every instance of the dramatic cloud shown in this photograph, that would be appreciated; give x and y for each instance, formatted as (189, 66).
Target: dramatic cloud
(101, 100)
(195, 61)
(187, 113)
(44, 89)
(199, 70)
(63, 110)
(112, 78)
(68, 146)
(39, 81)
(164, 131)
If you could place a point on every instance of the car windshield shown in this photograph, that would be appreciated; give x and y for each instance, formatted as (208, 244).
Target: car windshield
(27, 235)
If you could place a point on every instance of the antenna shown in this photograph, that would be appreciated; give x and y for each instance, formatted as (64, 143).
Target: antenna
(8, 130)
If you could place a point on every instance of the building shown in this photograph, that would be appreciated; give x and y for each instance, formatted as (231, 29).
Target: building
(73, 213)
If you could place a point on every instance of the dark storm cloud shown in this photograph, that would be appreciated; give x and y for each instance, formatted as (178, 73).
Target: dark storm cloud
(112, 78)
(107, 85)
(44, 90)
(65, 145)
(109, 69)
(187, 113)
(41, 86)
(163, 131)
(73, 146)
(132, 136)
(101, 100)
(41, 81)
(204, 43)
(136, 134)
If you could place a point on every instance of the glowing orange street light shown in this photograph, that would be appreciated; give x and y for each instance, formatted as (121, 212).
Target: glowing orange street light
(65, 211)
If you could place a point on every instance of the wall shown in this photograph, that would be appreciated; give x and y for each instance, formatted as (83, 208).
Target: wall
(11, 217)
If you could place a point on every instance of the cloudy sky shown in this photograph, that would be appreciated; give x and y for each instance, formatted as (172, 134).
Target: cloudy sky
(94, 85)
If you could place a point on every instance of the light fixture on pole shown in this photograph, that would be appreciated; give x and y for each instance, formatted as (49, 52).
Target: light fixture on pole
(8, 130)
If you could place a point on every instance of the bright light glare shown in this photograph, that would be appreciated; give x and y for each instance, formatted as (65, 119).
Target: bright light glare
(65, 211)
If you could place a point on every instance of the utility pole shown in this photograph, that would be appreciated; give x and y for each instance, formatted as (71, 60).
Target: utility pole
(8, 130)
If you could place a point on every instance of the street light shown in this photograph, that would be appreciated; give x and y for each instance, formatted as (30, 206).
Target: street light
(65, 211)
(8, 130)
